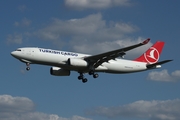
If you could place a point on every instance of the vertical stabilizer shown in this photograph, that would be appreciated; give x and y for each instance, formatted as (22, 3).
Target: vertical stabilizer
(152, 55)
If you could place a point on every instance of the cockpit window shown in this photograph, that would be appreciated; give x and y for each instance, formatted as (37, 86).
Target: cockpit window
(18, 50)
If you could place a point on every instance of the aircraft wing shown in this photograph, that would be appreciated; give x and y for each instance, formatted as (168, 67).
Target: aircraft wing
(96, 60)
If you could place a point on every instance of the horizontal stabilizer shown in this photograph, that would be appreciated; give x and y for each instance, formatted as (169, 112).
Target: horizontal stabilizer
(158, 63)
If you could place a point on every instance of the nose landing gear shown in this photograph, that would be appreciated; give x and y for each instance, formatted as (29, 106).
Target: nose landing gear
(27, 68)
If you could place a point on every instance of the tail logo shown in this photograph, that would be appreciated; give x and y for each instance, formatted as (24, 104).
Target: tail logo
(152, 55)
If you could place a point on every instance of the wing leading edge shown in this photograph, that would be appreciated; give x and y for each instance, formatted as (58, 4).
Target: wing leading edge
(96, 60)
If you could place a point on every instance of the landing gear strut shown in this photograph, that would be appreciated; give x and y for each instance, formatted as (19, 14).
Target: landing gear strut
(27, 68)
(81, 77)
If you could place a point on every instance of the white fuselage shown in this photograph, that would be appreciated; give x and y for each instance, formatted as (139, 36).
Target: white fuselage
(60, 59)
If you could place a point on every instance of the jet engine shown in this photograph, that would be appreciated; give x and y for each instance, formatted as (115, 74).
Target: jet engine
(59, 71)
(77, 62)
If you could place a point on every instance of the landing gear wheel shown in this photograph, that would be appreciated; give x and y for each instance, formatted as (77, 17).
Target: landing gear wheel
(84, 80)
(80, 77)
(95, 75)
(28, 68)
(91, 72)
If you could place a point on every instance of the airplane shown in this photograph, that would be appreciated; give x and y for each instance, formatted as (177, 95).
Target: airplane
(64, 62)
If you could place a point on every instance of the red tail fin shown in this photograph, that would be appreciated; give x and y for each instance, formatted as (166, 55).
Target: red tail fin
(152, 54)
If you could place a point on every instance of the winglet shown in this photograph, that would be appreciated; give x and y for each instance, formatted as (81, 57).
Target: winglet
(146, 41)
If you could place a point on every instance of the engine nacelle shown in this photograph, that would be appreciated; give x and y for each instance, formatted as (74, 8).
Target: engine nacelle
(59, 71)
(77, 62)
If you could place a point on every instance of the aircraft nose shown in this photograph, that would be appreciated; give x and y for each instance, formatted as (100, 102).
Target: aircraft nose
(13, 53)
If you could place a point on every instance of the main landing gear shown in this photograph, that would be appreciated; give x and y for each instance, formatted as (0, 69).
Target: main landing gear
(84, 80)
(27, 68)
(81, 77)
(95, 75)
